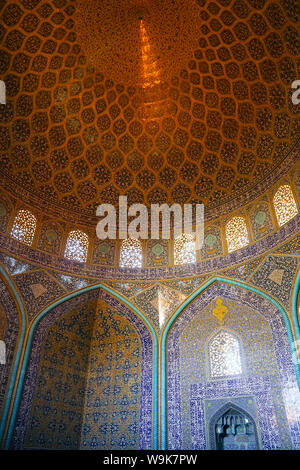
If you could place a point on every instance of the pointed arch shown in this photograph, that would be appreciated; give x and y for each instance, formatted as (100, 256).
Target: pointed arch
(219, 413)
(10, 387)
(181, 308)
(236, 233)
(184, 249)
(131, 253)
(22, 367)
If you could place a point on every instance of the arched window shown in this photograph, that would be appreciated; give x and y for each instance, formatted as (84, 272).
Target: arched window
(236, 233)
(77, 246)
(284, 204)
(131, 253)
(184, 249)
(24, 227)
(224, 355)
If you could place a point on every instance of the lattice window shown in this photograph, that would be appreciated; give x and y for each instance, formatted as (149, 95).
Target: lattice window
(236, 234)
(284, 204)
(24, 227)
(131, 253)
(77, 246)
(224, 355)
(184, 249)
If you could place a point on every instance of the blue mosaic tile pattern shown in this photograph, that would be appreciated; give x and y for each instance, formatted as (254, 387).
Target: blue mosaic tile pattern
(112, 397)
(145, 431)
(23, 416)
(244, 271)
(71, 283)
(128, 289)
(158, 303)
(186, 286)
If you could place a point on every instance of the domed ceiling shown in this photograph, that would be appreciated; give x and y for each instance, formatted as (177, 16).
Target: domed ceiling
(163, 101)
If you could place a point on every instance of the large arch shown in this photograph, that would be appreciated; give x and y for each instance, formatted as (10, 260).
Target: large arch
(245, 291)
(12, 301)
(22, 366)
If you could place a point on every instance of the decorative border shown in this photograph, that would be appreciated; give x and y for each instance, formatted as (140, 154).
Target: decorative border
(258, 248)
(12, 327)
(167, 327)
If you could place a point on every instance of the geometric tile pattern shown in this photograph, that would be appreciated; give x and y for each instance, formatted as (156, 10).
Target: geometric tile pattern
(274, 392)
(113, 388)
(128, 289)
(71, 283)
(186, 286)
(272, 241)
(243, 271)
(56, 411)
(290, 248)
(158, 303)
